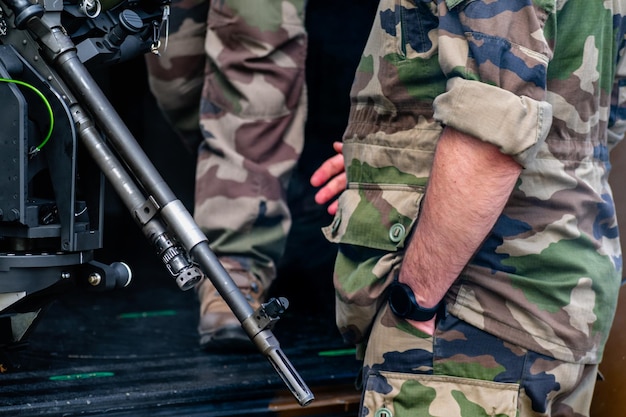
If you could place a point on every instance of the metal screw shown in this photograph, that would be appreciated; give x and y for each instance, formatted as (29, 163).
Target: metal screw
(95, 279)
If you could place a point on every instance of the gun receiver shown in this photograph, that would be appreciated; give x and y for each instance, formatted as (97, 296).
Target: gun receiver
(163, 219)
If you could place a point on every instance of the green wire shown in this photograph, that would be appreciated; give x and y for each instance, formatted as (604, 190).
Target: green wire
(45, 101)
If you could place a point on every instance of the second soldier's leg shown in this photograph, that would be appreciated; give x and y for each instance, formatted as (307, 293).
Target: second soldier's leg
(176, 74)
(252, 115)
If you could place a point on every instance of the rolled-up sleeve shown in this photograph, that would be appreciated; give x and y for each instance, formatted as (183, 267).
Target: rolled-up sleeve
(495, 57)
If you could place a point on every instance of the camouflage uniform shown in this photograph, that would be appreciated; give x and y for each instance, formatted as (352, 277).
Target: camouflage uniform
(233, 71)
(528, 318)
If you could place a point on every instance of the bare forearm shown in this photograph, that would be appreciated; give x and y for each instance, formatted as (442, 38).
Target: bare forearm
(470, 183)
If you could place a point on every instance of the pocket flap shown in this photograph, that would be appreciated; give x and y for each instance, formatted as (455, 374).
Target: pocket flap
(378, 217)
(404, 395)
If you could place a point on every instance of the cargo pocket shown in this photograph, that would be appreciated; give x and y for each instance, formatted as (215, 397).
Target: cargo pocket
(390, 394)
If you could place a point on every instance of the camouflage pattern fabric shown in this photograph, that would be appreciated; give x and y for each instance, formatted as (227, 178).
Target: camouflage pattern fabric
(176, 75)
(409, 373)
(534, 79)
(235, 69)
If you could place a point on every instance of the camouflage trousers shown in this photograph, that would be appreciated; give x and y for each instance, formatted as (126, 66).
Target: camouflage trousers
(232, 83)
(463, 371)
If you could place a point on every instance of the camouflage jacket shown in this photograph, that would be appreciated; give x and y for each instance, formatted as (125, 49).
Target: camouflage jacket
(540, 80)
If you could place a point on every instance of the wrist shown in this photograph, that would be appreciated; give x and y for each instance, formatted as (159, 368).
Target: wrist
(403, 304)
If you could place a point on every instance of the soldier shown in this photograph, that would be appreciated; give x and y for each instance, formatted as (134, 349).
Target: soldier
(231, 81)
(479, 260)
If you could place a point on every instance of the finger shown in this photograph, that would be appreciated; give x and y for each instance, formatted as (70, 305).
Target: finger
(332, 189)
(332, 208)
(329, 168)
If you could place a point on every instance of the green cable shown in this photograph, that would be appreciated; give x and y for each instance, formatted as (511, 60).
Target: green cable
(45, 101)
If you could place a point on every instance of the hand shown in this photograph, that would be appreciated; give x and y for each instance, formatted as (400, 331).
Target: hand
(332, 176)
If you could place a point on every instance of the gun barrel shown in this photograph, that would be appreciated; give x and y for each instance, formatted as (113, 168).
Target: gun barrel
(264, 339)
(290, 377)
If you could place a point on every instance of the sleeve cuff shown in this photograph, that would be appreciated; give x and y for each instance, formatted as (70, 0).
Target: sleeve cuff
(517, 125)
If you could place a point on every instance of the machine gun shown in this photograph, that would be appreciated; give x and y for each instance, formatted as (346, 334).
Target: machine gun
(56, 123)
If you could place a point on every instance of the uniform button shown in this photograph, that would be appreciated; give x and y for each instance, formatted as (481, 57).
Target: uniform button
(383, 412)
(397, 232)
